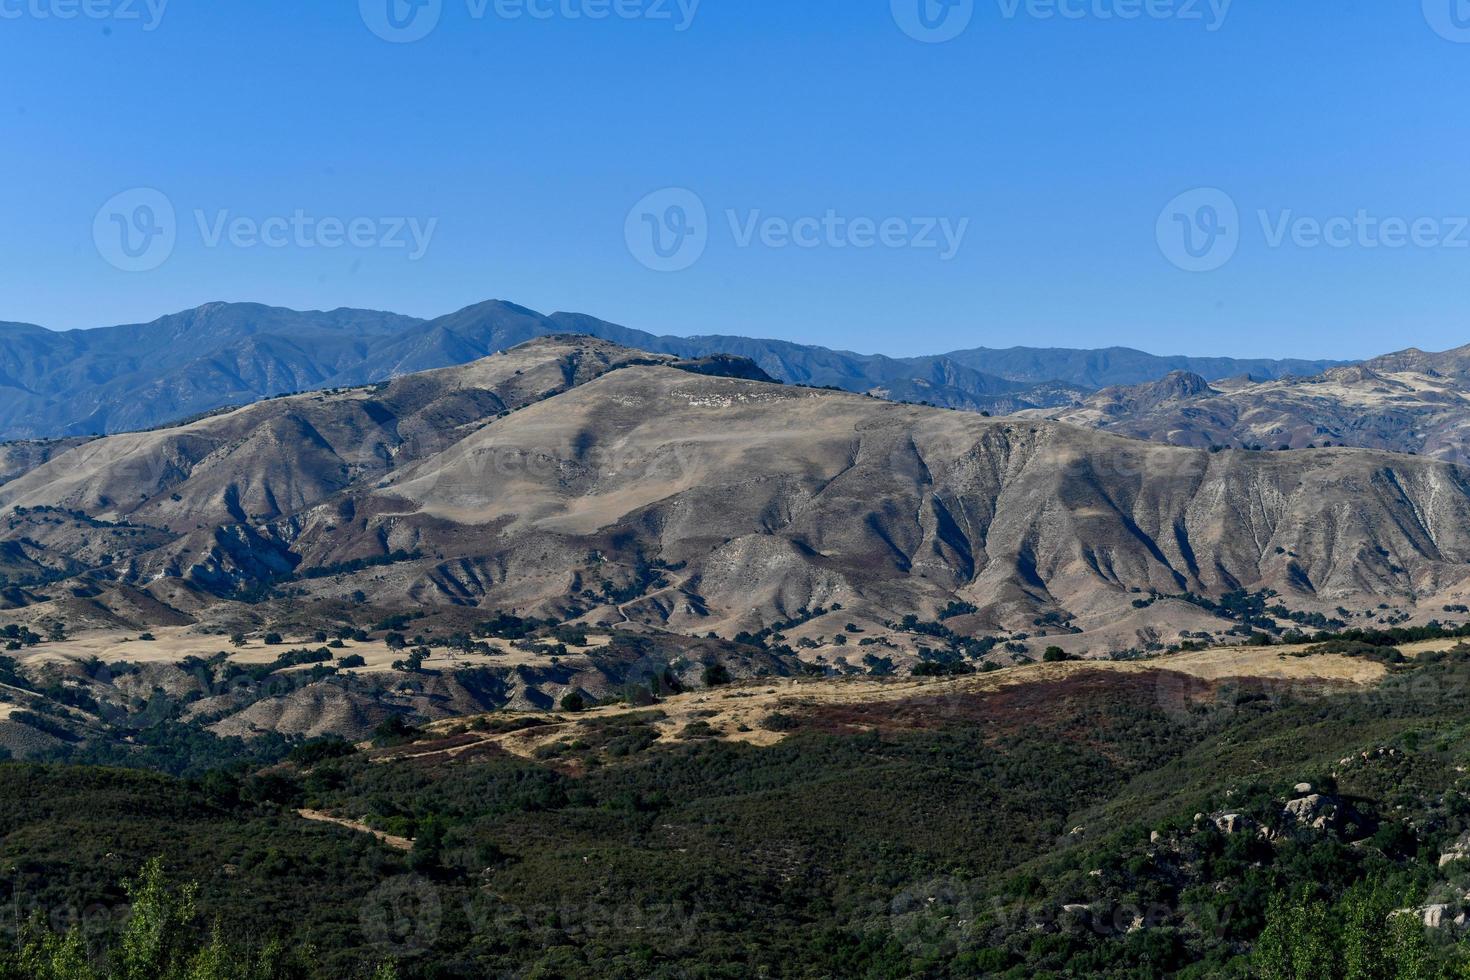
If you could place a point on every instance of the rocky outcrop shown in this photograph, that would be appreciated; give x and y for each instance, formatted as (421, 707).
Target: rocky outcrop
(1233, 823)
(1315, 811)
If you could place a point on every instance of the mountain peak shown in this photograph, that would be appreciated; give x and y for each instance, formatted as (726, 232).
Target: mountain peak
(1172, 387)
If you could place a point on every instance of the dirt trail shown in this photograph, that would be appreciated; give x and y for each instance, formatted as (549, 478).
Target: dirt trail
(400, 843)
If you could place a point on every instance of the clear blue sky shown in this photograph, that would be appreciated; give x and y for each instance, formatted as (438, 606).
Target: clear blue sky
(1059, 140)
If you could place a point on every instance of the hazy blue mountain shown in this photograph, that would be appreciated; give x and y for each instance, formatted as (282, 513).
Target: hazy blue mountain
(799, 363)
(113, 379)
(1123, 365)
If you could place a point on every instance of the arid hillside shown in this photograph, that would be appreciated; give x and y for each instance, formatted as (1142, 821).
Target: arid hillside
(1409, 402)
(573, 479)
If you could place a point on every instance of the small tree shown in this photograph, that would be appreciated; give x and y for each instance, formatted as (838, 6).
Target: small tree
(1054, 655)
(414, 662)
(164, 938)
(573, 702)
(45, 955)
(159, 923)
(716, 675)
(394, 730)
(428, 845)
(1297, 942)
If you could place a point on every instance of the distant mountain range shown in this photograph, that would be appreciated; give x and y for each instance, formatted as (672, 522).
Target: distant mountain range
(1408, 402)
(123, 378)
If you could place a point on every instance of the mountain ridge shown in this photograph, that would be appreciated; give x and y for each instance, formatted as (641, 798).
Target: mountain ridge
(1410, 401)
(135, 376)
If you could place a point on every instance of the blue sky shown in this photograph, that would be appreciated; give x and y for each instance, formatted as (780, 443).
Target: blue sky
(827, 149)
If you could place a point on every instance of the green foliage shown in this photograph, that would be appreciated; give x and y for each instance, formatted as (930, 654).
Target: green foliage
(163, 938)
(155, 941)
(321, 750)
(698, 729)
(957, 608)
(506, 626)
(940, 836)
(395, 730)
(46, 956)
(414, 662)
(937, 668)
(357, 565)
(1363, 936)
